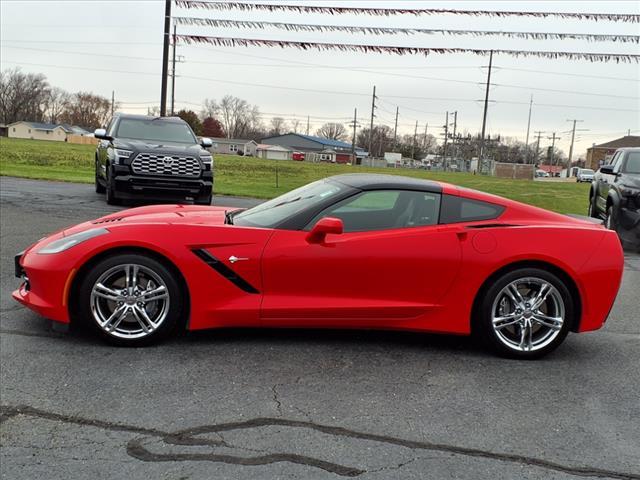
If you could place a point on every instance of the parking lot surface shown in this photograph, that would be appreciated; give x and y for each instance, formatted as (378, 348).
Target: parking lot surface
(263, 404)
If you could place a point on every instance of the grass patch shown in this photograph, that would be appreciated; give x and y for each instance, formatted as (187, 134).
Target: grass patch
(251, 177)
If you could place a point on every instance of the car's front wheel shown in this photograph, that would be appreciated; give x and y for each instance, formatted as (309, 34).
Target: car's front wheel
(130, 300)
(611, 221)
(99, 187)
(527, 313)
(593, 213)
(112, 199)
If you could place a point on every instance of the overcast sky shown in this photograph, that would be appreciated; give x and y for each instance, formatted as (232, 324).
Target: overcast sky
(89, 45)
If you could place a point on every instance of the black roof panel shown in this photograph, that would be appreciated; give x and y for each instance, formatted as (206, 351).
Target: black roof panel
(379, 181)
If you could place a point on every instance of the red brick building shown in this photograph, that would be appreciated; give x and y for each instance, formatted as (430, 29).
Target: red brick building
(599, 154)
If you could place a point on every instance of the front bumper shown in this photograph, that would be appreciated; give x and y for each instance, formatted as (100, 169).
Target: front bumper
(130, 187)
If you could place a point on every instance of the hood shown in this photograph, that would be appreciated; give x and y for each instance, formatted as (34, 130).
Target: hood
(631, 181)
(159, 147)
(157, 214)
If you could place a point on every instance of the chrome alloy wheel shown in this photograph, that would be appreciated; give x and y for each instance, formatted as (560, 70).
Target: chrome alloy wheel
(129, 301)
(528, 314)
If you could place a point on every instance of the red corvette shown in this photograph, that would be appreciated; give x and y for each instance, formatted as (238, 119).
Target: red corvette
(350, 251)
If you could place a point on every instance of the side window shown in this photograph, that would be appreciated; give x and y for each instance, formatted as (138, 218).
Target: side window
(632, 165)
(614, 159)
(460, 209)
(233, 148)
(619, 160)
(111, 127)
(383, 210)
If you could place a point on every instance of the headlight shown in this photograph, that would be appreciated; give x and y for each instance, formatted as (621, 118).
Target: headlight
(123, 153)
(206, 159)
(66, 243)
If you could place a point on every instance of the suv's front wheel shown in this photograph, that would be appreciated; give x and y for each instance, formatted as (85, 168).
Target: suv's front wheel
(111, 191)
(99, 187)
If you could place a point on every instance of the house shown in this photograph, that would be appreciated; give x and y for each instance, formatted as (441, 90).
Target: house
(316, 149)
(552, 170)
(598, 155)
(273, 152)
(233, 146)
(38, 131)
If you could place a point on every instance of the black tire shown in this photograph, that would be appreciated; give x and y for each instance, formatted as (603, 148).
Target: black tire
(99, 187)
(593, 210)
(122, 335)
(611, 220)
(484, 321)
(204, 201)
(112, 199)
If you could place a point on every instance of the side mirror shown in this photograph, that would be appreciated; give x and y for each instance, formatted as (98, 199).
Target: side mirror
(607, 169)
(206, 142)
(323, 227)
(101, 133)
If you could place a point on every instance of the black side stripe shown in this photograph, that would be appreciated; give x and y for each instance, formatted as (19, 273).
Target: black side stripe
(224, 270)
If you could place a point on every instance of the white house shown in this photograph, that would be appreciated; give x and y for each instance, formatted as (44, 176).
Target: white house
(273, 152)
(37, 131)
(232, 146)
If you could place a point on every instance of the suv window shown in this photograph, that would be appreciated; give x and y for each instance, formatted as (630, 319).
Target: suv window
(615, 161)
(383, 210)
(458, 209)
(632, 164)
(155, 130)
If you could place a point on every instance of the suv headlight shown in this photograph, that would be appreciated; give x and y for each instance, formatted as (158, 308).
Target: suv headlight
(122, 154)
(207, 161)
(65, 243)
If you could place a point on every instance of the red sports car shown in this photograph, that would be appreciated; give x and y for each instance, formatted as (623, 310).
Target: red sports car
(350, 251)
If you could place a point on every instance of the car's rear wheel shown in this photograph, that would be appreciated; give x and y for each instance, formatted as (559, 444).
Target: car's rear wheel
(130, 300)
(527, 313)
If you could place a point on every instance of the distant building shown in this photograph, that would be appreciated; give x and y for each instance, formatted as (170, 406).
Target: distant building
(598, 155)
(316, 149)
(38, 131)
(232, 146)
(273, 152)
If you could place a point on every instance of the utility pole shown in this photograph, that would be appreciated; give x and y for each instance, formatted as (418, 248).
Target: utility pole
(484, 115)
(539, 132)
(424, 140)
(173, 75)
(307, 124)
(573, 136)
(353, 142)
(553, 145)
(373, 114)
(165, 58)
(455, 126)
(526, 151)
(413, 145)
(113, 102)
(446, 137)
(395, 130)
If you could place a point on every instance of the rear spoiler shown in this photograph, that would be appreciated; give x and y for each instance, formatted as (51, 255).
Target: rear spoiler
(584, 218)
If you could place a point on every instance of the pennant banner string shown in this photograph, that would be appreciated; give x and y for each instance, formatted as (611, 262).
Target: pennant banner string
(303, 27)
(385, 12)
(361, 48)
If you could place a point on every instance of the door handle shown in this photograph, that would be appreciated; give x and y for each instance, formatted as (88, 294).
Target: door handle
(234, 259)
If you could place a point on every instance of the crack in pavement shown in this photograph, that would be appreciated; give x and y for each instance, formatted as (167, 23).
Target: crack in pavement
(136, 449)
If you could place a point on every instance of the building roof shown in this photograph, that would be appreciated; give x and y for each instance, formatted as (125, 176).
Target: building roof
(278, 148)
(322, 141)
(622, 142)
(551, 168)
(41, 126)
(231, 140)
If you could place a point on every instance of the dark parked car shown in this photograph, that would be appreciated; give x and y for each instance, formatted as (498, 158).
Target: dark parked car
(152, 158)
(615, 194)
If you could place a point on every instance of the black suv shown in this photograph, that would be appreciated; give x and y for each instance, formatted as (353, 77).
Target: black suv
(152, 158)
(615, 194)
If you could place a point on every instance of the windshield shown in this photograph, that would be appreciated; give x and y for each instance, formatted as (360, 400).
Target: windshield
(587, 171)
(154, 130)
(633, 163)
(273, 212)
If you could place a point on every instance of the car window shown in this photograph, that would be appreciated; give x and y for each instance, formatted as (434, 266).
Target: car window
(616, 161)
(632, 165)
(383, 210)
(460, 209)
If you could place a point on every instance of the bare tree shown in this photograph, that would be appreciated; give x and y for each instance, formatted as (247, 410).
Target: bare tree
(23, 96)
(238, 117)
(278, 126)
(332, 131)
(57, 102)
(87, 110)
(153, 111)
(210, 109)
(295, 126)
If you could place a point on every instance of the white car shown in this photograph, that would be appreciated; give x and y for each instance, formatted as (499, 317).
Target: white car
(585, 175)
(541, 173)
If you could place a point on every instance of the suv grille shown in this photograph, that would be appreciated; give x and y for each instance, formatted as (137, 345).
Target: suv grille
(152, 164)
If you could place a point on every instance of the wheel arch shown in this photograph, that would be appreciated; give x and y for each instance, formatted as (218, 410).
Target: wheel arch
(551, 268)
(72, 295)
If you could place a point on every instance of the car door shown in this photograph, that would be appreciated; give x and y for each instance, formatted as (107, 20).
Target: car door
(391, 266)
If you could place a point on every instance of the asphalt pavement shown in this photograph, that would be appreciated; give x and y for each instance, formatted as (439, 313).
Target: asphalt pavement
(258, 404)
